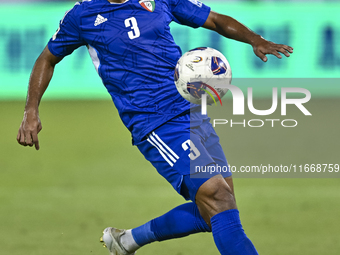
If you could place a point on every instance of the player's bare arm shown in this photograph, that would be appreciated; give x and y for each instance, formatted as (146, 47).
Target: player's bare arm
(40, 78)
(231, 28)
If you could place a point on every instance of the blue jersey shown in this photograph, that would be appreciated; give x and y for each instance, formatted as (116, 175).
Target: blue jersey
(133, 52)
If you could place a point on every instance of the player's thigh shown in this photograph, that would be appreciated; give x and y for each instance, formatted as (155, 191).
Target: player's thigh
(172, 149)
(215, 150)
(217, 153)
(229, 181)
(217, 194)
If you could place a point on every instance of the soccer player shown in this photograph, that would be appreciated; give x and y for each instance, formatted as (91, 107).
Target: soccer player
(135, 55)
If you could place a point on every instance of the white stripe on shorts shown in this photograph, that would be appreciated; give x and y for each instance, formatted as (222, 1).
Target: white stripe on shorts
(161, 152)
(166, 146)
(169, 155)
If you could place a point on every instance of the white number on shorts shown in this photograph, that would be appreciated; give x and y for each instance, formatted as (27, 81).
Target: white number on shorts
(132, 22)
(194, 152)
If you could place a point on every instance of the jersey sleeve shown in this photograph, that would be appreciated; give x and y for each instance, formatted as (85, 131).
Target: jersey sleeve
(68, 36)
(191, 13)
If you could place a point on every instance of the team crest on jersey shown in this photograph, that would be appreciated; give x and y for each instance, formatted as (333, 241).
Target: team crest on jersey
(148, 5)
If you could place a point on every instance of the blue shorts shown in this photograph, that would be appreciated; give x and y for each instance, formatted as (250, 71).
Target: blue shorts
(186, 152)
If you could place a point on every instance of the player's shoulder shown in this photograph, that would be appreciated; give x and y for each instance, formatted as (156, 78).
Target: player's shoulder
(88, 3)
(81, 7)
(182, 3)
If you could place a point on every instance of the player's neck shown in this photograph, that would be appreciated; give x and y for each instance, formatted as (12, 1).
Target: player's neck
(117, 1)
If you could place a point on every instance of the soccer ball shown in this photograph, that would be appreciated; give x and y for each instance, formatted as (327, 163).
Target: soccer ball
(202, 71)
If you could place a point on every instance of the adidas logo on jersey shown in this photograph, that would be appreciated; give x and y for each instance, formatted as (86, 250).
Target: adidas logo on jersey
(99, 20)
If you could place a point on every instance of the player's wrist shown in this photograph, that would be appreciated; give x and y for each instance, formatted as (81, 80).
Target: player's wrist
(256, 40)
(31, 110)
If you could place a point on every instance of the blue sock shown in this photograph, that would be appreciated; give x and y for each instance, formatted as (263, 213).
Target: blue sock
(179, 222)
(229, 235)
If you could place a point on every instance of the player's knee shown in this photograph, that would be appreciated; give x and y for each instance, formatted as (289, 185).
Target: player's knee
(215, 196)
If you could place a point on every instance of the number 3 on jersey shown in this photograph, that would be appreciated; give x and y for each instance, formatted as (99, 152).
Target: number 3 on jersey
(194, 152)
(132, 22)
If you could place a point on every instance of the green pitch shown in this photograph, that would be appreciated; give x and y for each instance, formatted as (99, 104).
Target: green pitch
(88, 176)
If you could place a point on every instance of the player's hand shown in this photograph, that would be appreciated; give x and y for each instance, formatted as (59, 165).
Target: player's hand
(29, 129)
(263, 47)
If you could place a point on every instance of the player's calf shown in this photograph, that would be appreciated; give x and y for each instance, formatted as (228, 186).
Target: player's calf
(216, 202)
(215, 196)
